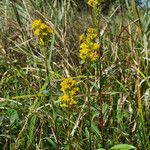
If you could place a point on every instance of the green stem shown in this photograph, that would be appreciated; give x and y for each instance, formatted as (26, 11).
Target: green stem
(89, 111)
(99, 71)
(69, 140)
(46, 64)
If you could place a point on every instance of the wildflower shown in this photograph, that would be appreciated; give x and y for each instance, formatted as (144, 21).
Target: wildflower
(37, 32)
(69, 89)
(94, 3)
(36, 24)
(68, 84)
(42, 31)
(96, 46)
(84, 53)
(91, 33)
(43, 26)
(41, 42)
(82, 37)
(88, 47)
(67, 101)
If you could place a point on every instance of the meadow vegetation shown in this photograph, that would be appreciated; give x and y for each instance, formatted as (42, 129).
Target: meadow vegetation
(73, 76)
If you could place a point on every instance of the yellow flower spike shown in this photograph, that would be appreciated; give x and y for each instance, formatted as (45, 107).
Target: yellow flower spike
(84, 53)
(93, 3)
(72, 102)
(83, 46)
(73, 91)
(41, 42)
(64, 98)
(88, 47)
(93, 56)
(49, 30)
(64, 106)
(43, 26)
(45, 33)
(91, 33)
(82, 37)
(67, 84)
(91, 30)
(42, 31)
(82, 57)
(96, 46)
(37, 32)
(69, 89)
(67, 100)
(36, 23)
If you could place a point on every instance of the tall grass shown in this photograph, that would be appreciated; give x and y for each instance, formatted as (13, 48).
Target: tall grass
(114, 99)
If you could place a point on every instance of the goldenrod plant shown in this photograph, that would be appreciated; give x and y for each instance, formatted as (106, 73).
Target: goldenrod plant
(89, 47)
(42, 31)
(69, 89)
(95, 3)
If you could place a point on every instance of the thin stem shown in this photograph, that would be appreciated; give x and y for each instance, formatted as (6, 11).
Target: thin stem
(101, 107)
(99, 73)
(46, 64)
(69, 142)
(89, 110)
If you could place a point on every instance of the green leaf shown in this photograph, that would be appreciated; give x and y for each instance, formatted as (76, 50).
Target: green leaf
(53, 144)
(13, 116)
(82, 62)
(87, 133)
(31, 128)
(122, 147)
(5, 135)
(95, 85)
(96, 130)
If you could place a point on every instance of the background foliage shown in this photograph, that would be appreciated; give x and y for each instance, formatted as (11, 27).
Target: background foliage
(114, 100)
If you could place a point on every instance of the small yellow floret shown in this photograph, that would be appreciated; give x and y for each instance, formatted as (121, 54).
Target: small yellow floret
(64, 98)
(93, 3)
(64, 106)
(96, 46)
(43, 26)
(68, 84)
(37, 32)
(82, 37)
(41, 42)
(36, 23)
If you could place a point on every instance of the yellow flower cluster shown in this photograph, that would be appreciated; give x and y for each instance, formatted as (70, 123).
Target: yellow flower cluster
(69, 89)
(88, 47)
(42, 31)
(94, 3)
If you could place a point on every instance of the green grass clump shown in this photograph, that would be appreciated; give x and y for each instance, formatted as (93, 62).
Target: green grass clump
(77, 79)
